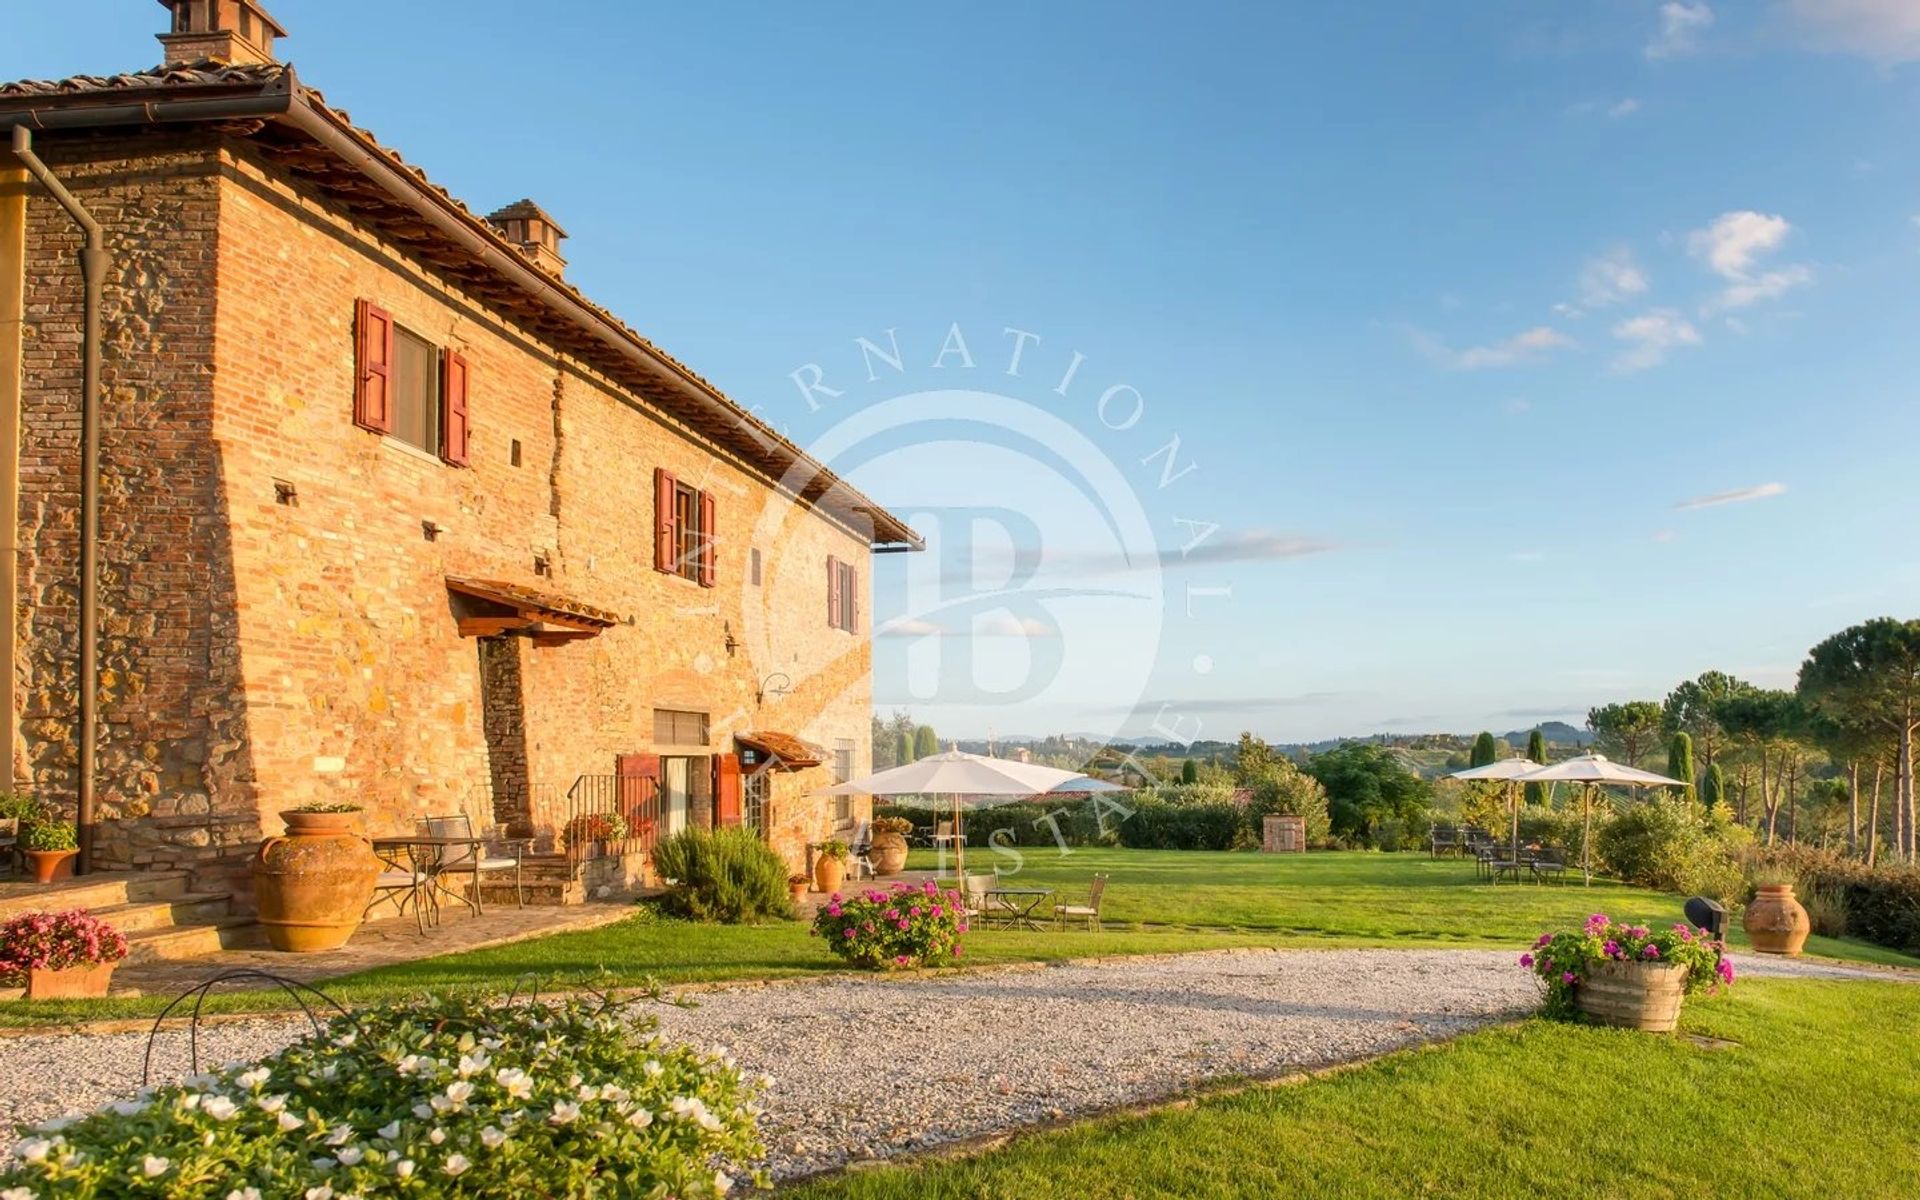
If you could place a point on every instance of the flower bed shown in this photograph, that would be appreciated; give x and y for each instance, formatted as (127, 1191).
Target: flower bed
(456, 1097)
(902, 927)
(56, 941)
(1564, 960)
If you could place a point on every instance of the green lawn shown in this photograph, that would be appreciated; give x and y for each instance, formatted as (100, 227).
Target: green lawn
(1817, 1099)
(1157, 902)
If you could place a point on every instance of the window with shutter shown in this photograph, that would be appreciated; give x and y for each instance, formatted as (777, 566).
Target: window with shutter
(843, 596)
(833, 592)
(453, 408)
(373, 368)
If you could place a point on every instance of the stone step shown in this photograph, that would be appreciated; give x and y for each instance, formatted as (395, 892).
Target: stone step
(94, 892)
(188, 909)
(192, 941)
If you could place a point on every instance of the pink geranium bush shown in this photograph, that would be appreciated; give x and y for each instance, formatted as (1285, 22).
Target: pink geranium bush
(54, 941)
(902, 927)
(1563, 960)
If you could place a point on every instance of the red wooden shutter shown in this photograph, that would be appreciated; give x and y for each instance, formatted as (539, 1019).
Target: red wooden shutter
(833, 592)
(637, 792)
(453, 408)
(726, 789)
(373, 368)
(706, 539)
(665, 527)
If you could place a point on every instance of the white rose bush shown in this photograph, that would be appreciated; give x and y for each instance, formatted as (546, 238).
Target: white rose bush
(436, 1097)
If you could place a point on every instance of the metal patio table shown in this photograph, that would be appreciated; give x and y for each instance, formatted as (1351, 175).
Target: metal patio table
(1015, 906)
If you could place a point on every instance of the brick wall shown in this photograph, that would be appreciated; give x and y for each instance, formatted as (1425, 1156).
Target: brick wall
(269, 654)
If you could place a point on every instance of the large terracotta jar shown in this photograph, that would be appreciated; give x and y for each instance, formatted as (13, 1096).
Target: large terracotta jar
(829, 873)
(1775, 922)
(1633, 995)
(889, 853)
(313, 885)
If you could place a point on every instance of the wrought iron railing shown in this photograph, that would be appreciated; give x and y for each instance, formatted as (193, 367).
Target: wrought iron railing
(610, 815)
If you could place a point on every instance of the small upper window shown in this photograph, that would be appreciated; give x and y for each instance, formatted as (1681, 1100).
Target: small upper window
(686, 524)
(416, 391)
(753, 566)
(679, 727)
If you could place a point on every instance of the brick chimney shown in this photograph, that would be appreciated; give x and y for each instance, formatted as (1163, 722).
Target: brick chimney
(227, 31)
(528, 226)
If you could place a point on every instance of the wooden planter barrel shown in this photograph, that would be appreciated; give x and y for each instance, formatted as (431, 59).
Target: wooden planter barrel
(1633, 995)
(1775, 922)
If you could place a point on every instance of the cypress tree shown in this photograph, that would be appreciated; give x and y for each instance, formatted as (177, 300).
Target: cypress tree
(1713, 787)
(1483, 751)
(1190, 771)
(1536, 793)
(902, 748)
(1680, 762)
(925, 744)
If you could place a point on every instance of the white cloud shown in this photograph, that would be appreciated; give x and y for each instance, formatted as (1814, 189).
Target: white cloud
(1626, 106)
(1005, 624)
(903, 627)
(1649, 338)
(1529, 345)
(1611, 278)
(1519, 405)
(1681, 24)
(1733, 245)
(1736, 496)
(1886, 31)
(1735, 239)
(1664, 535)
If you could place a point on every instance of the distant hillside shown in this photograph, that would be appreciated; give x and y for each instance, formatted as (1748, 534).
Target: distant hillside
(1556, 733)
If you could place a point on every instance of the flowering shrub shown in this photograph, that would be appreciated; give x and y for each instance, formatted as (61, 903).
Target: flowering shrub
(429, 1098)
(55, 941)
(1563, 960)
(902, 927)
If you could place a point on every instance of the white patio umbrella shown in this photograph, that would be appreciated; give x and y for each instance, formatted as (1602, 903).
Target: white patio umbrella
(1506, 771)
(1593, 770)
(957, 773)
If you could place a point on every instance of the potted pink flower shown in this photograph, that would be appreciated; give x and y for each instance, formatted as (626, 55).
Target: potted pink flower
(60, 955)
(1613, 973)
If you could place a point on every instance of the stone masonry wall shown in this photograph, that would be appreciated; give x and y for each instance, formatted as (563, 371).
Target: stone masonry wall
(173, 740)
(262, 654)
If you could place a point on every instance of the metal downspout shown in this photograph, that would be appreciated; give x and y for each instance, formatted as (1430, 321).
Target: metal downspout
(93, 269)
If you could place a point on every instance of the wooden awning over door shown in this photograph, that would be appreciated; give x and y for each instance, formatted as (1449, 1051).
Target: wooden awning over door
(783, 751)
(491, 607)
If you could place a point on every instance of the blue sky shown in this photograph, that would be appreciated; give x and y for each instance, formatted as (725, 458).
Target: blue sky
(1453, 312)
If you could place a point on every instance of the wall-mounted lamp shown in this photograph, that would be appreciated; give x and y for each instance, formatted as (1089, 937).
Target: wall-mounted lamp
(776, 684)
(733, 643)
(431, 530)
(285, 493)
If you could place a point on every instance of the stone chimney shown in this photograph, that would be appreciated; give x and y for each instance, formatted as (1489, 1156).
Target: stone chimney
(528, 226)
(227, 31)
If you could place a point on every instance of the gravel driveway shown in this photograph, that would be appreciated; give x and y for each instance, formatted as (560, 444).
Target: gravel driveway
(873, 1067)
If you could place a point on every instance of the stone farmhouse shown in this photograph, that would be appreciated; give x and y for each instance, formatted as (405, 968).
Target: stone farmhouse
(389, 513)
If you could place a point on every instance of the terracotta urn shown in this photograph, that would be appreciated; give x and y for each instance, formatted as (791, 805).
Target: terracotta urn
(829, 874)
(797, 887)
(1633, 995)
(889, 853)
(313, 885)
(1775, 922)
(51, 866)
(70, 983)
